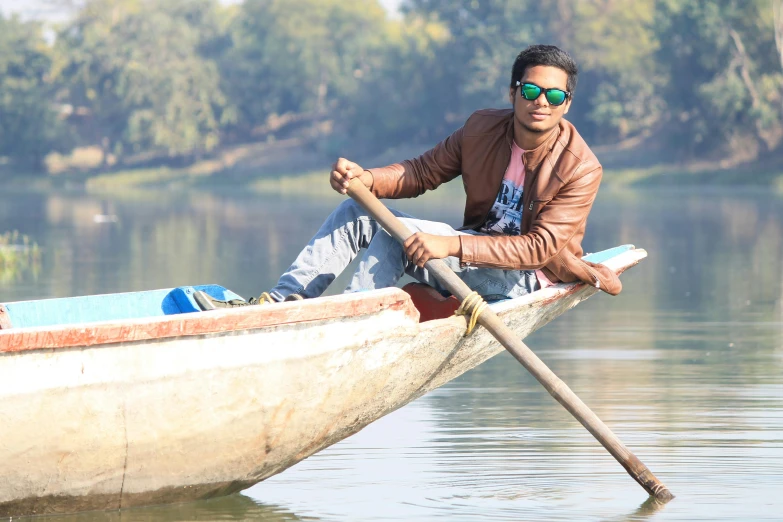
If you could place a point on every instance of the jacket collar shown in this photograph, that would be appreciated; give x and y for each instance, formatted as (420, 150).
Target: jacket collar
(533, 158)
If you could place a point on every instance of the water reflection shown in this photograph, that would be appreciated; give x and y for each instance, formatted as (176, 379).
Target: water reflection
(684, 365)
(234, 508)
(20, 257)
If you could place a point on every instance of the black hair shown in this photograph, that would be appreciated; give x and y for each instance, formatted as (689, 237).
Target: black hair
(549, 55)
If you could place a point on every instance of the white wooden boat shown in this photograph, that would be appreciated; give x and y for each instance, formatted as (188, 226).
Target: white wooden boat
(130, 410)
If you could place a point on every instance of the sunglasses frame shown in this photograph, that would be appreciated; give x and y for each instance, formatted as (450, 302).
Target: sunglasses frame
(544, 92)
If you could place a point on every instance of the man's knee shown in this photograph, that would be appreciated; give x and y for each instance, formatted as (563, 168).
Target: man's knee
(350, 209)
(413, 224)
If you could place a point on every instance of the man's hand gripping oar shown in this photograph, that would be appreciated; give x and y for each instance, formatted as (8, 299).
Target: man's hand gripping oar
(477, 309)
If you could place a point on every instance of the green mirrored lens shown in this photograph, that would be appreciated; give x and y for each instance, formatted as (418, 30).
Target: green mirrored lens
(530, 91)
(555, 96)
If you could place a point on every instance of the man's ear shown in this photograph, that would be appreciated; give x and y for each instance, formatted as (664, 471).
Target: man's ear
(567, 106)
(512, 92)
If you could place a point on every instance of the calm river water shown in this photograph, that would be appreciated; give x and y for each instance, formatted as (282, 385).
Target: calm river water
(686, 365)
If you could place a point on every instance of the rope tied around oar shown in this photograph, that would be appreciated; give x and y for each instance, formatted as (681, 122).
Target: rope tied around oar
(473, 304)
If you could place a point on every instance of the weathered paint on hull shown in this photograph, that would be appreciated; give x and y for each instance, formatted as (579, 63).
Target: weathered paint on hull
(107, 424)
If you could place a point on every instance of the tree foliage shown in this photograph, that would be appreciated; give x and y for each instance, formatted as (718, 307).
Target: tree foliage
(135, 70)
(701, 77)
(723, 84)
(299, 56)
(396, 102)
(177, 78)
(29, 127)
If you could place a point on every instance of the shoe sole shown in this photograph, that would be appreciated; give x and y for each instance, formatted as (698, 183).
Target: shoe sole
(203, 301)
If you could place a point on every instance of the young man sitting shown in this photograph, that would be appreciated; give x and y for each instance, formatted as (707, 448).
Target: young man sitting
(530, 181)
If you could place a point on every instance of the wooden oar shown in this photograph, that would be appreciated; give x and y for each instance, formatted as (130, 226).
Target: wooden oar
(489, 320)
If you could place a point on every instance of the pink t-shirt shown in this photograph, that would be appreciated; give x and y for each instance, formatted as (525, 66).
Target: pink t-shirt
(505, 217)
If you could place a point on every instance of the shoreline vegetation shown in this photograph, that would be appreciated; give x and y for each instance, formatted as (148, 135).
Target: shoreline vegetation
(19, 254)
(280, 167)
(206, 93)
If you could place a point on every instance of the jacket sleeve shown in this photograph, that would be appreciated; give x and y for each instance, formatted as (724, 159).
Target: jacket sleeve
(556, 222)
(413, 177)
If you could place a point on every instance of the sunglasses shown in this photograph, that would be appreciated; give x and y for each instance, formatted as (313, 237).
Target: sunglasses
(531, 91)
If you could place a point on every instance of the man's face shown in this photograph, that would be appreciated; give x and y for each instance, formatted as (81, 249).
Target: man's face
(539, 115)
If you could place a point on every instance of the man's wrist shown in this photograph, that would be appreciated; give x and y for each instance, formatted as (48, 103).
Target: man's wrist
(367, 178)
(455, 249)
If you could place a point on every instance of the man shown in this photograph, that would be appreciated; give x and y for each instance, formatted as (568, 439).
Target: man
(530, 181)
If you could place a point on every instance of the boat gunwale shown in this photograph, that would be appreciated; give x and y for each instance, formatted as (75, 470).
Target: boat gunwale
(204, 323)
(82, 335)
(619, 264)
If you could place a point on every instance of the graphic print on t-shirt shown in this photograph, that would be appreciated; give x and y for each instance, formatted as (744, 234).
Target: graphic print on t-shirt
(506, 214)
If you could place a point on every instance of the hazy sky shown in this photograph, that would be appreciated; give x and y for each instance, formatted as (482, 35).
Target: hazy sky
(42, 8)
(27, 8)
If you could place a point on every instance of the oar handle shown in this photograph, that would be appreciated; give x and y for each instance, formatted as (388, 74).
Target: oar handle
(511, 342)
(362, 195)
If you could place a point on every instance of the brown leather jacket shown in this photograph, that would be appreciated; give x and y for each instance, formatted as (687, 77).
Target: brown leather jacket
(561, 182)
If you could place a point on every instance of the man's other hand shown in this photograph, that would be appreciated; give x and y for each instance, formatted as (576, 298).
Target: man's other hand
(343, 171)
(421, 247)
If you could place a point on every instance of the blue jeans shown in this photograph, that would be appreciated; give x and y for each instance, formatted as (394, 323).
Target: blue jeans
(349, 229)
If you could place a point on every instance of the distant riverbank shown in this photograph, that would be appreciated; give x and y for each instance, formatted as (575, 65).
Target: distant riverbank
(292, 165)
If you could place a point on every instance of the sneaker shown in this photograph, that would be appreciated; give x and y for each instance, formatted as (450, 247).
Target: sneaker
(294, 297)
(207, 302)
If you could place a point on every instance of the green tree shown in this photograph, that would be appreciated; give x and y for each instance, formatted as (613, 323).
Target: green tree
(615, 98)
(697, 77)
(693, 78)
(134, 70)
(723, 86)
(299, 57)
(405, 97)
(484, 38)
(29, 124)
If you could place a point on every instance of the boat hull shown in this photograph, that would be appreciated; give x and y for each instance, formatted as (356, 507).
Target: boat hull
(109, 416)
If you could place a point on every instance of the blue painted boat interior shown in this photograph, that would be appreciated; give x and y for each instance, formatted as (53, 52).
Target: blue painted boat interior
(110, 307)
(605, 255)
(152, 303)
